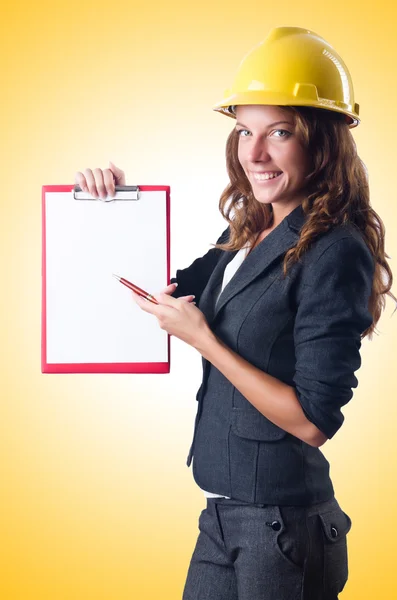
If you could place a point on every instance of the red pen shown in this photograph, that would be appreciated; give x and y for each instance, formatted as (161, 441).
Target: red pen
(136, 289)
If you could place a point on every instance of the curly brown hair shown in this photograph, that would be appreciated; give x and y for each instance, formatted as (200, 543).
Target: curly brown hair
(337, 193)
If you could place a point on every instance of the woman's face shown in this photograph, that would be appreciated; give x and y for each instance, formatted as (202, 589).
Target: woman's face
(268, 146)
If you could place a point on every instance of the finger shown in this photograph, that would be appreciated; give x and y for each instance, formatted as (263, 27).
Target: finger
(167, 300)
(109, 182)
(91, 183)
(142, 303)
(100, 185)
(171, 286)
(170, 289)
(146, 305)
(119, 176)
(80, 180)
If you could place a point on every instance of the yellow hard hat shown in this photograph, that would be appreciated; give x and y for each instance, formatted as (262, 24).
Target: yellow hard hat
(293, 67)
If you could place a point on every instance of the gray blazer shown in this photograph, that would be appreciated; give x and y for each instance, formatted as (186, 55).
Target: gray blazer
(304, 330)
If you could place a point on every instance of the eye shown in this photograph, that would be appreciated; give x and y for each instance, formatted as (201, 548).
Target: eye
(240, 131)
(282, 131)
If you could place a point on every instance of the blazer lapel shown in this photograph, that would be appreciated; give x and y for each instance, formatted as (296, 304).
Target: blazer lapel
(283, 237)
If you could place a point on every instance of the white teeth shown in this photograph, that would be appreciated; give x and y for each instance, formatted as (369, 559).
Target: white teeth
(266, 176)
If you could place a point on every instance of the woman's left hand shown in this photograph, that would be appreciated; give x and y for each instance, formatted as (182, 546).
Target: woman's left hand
(178, 317)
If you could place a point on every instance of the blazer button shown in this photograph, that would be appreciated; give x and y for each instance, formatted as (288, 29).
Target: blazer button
(334, 531)
(275, 525)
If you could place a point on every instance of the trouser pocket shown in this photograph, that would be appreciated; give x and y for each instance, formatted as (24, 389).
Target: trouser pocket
(292, 539)
(335, 525)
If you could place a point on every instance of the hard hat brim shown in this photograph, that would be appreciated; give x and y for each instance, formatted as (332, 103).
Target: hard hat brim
(270, 98)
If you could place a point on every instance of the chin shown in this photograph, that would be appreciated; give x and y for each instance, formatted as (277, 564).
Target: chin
(265, 200)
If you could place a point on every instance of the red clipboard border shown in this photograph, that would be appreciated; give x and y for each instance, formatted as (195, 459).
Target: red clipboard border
(155, 367)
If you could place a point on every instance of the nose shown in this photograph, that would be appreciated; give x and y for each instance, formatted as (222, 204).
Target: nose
(258, 151)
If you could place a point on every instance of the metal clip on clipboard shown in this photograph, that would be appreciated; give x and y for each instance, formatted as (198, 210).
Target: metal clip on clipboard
(122, 192)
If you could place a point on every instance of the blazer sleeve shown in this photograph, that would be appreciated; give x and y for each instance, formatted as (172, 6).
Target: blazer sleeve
(331, 316)
(194, 278)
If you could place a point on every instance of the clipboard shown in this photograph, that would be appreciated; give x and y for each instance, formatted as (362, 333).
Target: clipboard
(90, 322)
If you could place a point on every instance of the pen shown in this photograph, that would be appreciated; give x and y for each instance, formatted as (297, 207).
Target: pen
(136, 289)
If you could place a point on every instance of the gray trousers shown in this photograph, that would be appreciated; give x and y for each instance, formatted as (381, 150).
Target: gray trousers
(266, 552)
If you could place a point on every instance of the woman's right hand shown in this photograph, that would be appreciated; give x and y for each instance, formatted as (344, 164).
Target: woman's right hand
(100, 183)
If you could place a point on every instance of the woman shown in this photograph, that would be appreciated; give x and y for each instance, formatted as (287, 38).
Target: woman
(283, 300)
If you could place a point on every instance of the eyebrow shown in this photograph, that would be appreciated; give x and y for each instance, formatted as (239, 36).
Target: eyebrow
(271, 124)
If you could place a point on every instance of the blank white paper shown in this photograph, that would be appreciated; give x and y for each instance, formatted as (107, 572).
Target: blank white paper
(91, 317)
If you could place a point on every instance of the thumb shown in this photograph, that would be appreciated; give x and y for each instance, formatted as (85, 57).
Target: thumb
(119, 176)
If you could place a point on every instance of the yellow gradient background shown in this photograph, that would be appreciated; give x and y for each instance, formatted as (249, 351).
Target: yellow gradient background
(96, 500)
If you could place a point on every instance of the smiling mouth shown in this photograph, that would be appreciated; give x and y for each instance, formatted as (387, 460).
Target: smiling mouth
(261, 178)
